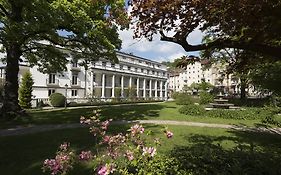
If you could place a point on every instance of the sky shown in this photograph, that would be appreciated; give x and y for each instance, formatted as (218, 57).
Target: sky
(157, 50)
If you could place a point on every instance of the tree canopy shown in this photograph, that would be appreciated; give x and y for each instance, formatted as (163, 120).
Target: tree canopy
(44, 31)
(244, 24)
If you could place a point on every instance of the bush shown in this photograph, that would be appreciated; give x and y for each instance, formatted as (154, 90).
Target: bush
(206, 97)
(184, 99)
(250, 102)
(249, 113)
(192, 110)
(57, 100)
(175, 95)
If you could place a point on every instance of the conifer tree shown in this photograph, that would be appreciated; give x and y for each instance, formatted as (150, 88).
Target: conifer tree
(25, 91)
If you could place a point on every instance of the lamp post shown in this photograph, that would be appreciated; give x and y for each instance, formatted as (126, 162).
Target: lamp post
(65, 102)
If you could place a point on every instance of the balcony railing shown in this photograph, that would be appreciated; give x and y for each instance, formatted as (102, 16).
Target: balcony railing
(52, 82)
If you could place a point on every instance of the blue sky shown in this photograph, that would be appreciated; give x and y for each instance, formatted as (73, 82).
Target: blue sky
(157, 50)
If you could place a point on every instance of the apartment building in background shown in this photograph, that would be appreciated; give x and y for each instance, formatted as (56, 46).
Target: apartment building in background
(197, 72)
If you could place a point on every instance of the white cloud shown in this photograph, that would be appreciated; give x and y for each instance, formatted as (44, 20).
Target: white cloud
(156, 49)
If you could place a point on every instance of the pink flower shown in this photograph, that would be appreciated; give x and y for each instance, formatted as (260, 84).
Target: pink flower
(83, 120)
(64, 146)
(106, 139)
(104, 125)
(106, 169)
(149, 150)
(94, 131)
(129, 155)
(103, 170)
(136, 129)
(169, 134)
(85, 155)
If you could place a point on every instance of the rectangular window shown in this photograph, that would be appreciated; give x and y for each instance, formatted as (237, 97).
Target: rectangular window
(94, 77)
(51, 91)
(112, 65)
(52, 78)
(73, 92)
(129, 68)
(74, 79)
(121, 67)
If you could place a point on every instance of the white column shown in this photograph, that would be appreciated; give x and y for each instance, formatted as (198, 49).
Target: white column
(166, 90)
(122, 86)
(130, 82)
(161, 89)
(138, 87)
(174, 85)
(155, 88)
(92, 83)
(113, 87)
(103, 86)
(144, 88)
(150, 88)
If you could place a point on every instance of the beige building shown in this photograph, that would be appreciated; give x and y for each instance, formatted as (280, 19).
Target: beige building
(198, 72)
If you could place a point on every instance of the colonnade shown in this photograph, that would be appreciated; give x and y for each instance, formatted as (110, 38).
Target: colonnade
(146, 89)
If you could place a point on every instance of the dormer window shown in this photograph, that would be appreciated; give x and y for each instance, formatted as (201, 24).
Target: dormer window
(103, 64)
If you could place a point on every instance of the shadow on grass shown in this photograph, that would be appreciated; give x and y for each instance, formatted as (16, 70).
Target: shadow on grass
(129, 112)
(255, 154)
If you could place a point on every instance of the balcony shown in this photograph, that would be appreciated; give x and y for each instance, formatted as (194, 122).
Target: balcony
(75, 69)
(52, 82)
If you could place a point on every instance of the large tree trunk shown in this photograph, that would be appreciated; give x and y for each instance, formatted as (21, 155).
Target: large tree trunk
(11, 108)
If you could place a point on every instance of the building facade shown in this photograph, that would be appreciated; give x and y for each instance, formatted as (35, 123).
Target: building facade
(196, 73)
(102, 79)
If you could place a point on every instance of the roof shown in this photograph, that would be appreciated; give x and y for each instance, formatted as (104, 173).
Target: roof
(145, 59)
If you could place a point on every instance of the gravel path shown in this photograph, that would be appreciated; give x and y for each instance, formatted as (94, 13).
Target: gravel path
(42, 128)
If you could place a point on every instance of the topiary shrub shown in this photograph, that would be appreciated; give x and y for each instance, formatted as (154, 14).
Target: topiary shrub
(25, 91)
(57, 100)
(206, 97)
(184, 99)
(192, 110)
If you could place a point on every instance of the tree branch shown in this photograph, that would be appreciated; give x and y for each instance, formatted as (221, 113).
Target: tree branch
(274, 51)
(5, 12)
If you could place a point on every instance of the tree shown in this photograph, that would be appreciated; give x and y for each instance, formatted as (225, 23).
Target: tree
(32, 29)
(244, 24)
(25, 91)
(195, 86)
(267, 77)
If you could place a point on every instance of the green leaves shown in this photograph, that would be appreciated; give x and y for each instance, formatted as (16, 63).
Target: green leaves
(90, 30)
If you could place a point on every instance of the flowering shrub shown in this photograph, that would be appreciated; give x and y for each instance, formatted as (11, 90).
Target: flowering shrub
(128, 153)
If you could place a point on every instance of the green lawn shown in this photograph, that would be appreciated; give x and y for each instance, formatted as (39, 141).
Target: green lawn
(207, 149)
(161, 111)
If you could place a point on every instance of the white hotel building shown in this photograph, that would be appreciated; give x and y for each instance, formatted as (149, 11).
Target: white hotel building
(102, 79)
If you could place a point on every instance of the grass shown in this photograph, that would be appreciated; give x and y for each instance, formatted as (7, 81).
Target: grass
(24, 154)
(160, 111)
